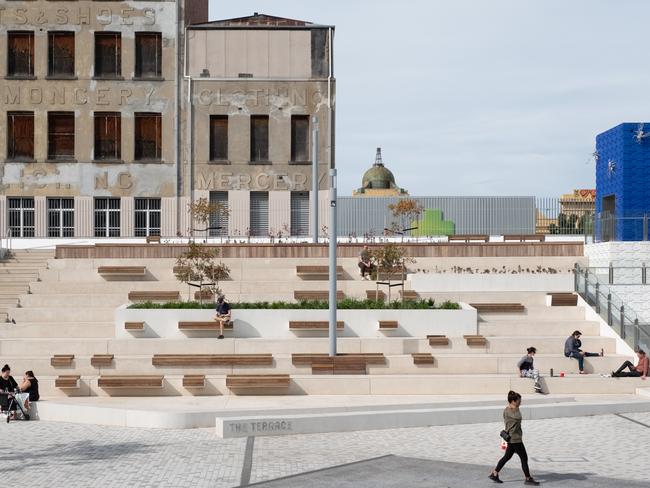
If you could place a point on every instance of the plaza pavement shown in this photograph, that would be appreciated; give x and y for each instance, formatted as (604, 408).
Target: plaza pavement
(570, 452)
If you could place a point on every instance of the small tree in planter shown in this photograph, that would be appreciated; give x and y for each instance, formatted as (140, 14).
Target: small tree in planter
(202, 210)
(405, 211)
(199, 268)
(389, 261)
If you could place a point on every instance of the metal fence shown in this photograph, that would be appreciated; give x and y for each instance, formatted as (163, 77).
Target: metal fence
(612, 309)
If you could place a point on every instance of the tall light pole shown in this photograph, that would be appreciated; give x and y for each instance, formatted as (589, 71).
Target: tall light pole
(332, 264)
(314, 180)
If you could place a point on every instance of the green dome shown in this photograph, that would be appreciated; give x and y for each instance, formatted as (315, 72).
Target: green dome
(378, 176)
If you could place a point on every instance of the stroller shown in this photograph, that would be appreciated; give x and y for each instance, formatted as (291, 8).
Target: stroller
(10, 401)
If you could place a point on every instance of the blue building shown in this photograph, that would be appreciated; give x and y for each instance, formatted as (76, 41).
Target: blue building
(623, 182)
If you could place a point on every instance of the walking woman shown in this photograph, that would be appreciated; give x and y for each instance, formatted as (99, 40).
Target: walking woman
(512, 419)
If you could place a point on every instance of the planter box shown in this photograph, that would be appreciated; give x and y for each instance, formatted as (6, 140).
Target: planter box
(269, 323)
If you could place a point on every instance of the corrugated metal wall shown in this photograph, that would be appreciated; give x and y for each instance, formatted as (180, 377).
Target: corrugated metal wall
(471, 215)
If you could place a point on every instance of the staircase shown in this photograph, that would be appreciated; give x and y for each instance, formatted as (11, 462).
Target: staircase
(17, 270)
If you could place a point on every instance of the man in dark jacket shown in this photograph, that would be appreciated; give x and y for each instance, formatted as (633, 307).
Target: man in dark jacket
(572, 350)
(223, 315)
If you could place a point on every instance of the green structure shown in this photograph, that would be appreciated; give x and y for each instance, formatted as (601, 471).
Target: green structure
(432, 224)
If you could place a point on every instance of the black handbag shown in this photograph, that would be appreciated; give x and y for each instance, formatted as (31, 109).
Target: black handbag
(505, 436)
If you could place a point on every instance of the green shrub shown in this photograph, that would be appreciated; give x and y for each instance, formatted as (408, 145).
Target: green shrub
(345, 304)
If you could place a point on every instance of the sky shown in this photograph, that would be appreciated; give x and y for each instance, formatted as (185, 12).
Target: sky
(478, 97)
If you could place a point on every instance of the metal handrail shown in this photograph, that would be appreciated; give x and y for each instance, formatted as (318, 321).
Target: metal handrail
(612, 308)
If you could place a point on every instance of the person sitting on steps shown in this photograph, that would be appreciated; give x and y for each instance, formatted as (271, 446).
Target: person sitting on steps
(640, 370)
(365, 264)
(527, 369)
(572, 350)
(223, 315)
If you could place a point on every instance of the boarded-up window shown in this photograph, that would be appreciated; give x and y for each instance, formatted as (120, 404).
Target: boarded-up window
(218, 137)
(148, 136)
(108, 54)
(259, 138)
(299, 213)
(108, 136)
(20, 135)
(20, 54)
(219, 218)
(60, 54)
(60, 135)
(299, 138)
(259, 214)
(148, 54)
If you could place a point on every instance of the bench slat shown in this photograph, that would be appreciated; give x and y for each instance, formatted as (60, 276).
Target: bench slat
(316, 295)
(422, 358)
(475, 340)
(498, 307)
(438, 340)
(374, 295)
(204, 325)
(134, 325)
(307, 359)
(388, 324)
(122, 270)
(99, 360)
(67, 381)
(564, 299)
(524, 237)
(115, 381)
(468, 238)
(212, 360)
(257, 382)
(154, 295)
(314, 325)
(339, 365)
(59, 360)
(194, 381)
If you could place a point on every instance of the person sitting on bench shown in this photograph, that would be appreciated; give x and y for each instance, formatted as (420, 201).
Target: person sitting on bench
(641, 369)
(365, 264)
(29, 386)
(572, 350)
(527, 369)
(223, 314)
(7, 384)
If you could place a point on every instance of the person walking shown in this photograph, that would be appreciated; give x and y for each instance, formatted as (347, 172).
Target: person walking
(572, 350)
(527, 368)
(512, 420)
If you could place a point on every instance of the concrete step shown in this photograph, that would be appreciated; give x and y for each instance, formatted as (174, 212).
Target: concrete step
(61, 314)
(81, 301)
(63, 330)
(538, 328)
(372, 385)
(537, 312)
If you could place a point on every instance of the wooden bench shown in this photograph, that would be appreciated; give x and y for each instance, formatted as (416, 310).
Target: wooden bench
(339, 365)
(153, 239)
(258, 381)
(61, 360)
(307, 359)
(122, 270)
(420, 358)
(376, 295)
(100, 360)
(498, 307)
(203, 295)
(468, 238)
(156, 296)
(67, 381)
(438, 340)
(133, 325)
(212, 360)
(323, 296)
(194, 381)
(207, 325)
(564, 299)
(409, 295)
(397, 273)
(388, 324)
(120, 381)
(475, 340)
(524, 238)
(322, 325)
(321, 272)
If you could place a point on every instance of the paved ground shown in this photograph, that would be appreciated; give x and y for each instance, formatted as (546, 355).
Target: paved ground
(578, 452)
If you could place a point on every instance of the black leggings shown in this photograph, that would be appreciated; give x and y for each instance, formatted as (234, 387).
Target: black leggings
(517, 447)
(632, 370)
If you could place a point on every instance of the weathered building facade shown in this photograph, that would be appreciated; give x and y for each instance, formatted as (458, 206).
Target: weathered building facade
(88, 114)
(256, 85)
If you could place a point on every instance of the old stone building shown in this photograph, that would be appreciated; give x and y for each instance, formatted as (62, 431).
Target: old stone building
(111, 124)
(256, 85)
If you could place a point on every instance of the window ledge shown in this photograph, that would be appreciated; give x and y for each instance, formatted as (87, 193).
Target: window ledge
(50, 160)
(20, 77)
(20, 160)
(148, 161)
(148, 78)
(299, 163)
(219, 162)
(260, 163)
(107, 161)
(108, 78)
(61, 77)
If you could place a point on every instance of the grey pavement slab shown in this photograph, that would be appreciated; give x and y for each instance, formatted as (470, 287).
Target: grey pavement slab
(399, 472)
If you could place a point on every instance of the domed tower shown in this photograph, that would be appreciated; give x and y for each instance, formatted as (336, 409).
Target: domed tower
(379, 181)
